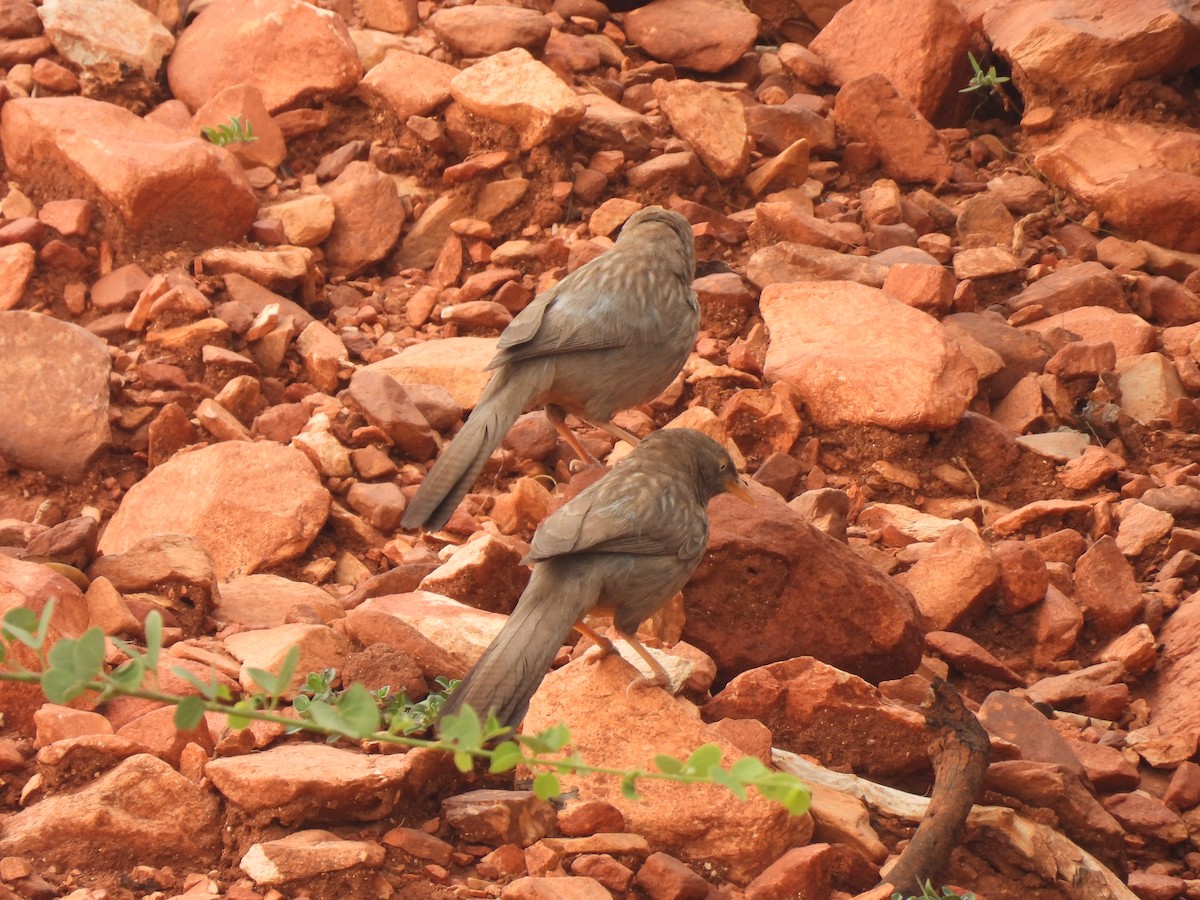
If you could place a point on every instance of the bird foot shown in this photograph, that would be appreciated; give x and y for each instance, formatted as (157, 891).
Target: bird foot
(646, 681)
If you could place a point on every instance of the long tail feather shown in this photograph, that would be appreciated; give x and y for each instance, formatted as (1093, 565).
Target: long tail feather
(508, 673)
(455, 471)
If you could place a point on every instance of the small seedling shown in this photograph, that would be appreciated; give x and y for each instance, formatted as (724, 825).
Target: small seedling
(991, 80)
(929, 892)
(234, 132)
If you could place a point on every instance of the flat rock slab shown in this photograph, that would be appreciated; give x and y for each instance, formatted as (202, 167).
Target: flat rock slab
(309, 781)
(75, 147)
(251, 505)
(53, 394)
(1138, 177)
(855, 356)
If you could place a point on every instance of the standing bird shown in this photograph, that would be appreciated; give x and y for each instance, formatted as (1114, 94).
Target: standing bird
(611, 335)
(623, 547)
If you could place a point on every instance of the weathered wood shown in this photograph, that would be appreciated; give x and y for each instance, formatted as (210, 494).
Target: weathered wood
(959, 753)
(1039, 848)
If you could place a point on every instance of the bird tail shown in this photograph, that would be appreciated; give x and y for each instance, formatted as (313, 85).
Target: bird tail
(508, 673)
(455, 470)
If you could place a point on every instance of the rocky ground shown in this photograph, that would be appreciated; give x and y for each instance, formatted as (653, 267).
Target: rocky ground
(954, 337)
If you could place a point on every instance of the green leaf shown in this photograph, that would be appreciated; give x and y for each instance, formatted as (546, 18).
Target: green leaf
(629, 787)
(505, 756)
(464, 762)
(545, 785)
(127, 677)
(209, 690)
(358, 713)
(326, 716)
(88, 656)
(238, 722)
(153, 628)
(301, 703)
(668, 764)
(60, 686)
(189, 713)
(748, 768)
(703, 759)
(20, 624)
(463, 730)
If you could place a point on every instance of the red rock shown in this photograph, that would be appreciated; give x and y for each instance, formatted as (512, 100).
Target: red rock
(245, 104)
(496, 818)
(271, 517)
(306, 854)
(692, 34)
(124, 160)
(821, 331)
(311, 53)
(871, 110)
(136, 803)
(711, 121)
(474, 31)
(808, 704)
(1145, 815)
(53, 394)
(663, 877)
(813, 871)
(408, 83)
(953, 580)
(692, 822)
(419, 844)
(930, 79)
(764, 565)
(1106, 587)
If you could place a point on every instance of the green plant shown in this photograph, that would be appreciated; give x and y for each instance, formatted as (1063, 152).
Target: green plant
(929, 892)
(990, 80)
(75, 666)
(398, 712)
(234, 132)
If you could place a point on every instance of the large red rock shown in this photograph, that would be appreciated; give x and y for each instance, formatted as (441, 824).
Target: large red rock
(871, 110)
(811, 707)
(53, 394)
(289, 50)
(822, 333)
(1088, 51)
(613, 724)
(772, 587)
(1142, 179)
(693, 34)
(921, 46)
(150, 185)
(251, 505)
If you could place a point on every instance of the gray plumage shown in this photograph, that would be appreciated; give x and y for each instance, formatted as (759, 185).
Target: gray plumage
(611, 335)
(624, 545)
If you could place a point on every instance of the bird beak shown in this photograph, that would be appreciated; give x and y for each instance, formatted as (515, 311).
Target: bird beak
(737, 487)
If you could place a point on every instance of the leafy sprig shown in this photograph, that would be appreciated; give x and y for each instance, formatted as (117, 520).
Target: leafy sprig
(234, 133)
(75, 666)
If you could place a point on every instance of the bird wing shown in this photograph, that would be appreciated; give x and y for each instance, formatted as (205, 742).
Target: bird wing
(644, 517)
(573, 315)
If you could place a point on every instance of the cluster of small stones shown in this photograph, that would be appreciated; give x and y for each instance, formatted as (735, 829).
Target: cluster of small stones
(960, 361)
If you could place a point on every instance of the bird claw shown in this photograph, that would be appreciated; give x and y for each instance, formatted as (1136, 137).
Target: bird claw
(644, 681)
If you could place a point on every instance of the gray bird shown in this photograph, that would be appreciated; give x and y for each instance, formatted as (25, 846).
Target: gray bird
(622, 547)
(611, 335)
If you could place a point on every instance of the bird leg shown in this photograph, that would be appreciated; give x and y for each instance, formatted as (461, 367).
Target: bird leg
(660, 679)
(558, 417)
(620, 433)
(603, 644)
